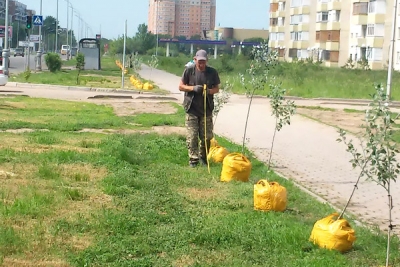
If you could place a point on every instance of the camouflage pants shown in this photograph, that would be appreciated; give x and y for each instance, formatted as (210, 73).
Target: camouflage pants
(195, 131)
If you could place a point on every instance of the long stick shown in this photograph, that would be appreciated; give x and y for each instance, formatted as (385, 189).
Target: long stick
(205, 125)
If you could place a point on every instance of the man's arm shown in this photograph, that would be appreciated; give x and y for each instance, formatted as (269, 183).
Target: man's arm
(185, 88)
(183, 84)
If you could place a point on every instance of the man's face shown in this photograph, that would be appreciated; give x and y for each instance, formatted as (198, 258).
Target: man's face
(201, 64)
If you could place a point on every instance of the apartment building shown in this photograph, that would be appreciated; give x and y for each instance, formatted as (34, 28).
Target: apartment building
(332, 31)
(181, 17)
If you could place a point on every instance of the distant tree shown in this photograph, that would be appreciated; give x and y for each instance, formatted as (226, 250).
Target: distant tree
(146, 39)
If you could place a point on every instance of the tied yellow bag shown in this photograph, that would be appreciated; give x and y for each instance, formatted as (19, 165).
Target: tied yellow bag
(333, 234)
(269, 196)
(217, 153)
(213, 142)
(235, 167)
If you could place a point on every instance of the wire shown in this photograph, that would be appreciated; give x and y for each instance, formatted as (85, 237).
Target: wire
(205, 125)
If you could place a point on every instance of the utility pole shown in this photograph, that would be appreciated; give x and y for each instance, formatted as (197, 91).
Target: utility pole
(6, 50)
(56, 43)
(72, 24)
(67, 27)
(39, 52)
(123, 56)
(391, 52)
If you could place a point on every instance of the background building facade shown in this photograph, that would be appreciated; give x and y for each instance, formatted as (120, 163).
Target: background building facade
(333, 31)
(181, 17)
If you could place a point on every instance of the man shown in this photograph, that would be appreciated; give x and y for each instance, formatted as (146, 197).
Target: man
(192, 83)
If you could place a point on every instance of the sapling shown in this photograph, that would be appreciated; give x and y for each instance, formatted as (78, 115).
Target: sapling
(377, 160)
(136, 63)
(282, 110)
(153, 63)
(258, 74)
(221, 99)
(80, 65)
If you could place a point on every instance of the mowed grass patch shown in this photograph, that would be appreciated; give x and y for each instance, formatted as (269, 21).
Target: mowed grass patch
(132, 200)
(37, 113)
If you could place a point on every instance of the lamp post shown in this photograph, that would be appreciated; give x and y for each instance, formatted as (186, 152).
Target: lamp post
(67, 26)
(6, 50)
(56, 32)
(39, 52)
(157, 6)
(391, 54)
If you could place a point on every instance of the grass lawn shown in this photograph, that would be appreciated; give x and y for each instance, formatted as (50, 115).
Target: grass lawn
(108, 77)
(301, 79)
(88, 199)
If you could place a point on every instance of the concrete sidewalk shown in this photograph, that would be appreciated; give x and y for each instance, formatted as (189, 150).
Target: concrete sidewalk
(306, 152)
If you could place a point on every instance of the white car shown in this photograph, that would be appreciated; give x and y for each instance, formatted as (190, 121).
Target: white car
(3, 77)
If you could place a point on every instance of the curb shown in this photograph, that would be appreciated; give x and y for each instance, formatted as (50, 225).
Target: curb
(76, 88)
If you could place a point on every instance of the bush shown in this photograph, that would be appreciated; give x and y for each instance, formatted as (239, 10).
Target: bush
(53, 62)
(80, 65)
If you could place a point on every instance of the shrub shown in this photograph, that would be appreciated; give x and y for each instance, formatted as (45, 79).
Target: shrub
(80, 65)
(53, 62)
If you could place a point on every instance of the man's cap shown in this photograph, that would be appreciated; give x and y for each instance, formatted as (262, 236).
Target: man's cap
(201, 55)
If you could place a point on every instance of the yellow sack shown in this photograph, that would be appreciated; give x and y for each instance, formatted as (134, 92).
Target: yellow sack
(235, 167)
(333, 234)
(269, 196)
(213, 142)
(217, 153)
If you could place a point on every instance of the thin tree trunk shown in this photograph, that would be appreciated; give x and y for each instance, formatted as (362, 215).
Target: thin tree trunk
(247, 120)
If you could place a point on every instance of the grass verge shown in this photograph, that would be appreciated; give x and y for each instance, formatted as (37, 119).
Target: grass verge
(131, 200)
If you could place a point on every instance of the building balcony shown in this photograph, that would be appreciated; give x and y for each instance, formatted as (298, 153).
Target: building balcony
(276, 44)
(303, 27)
(374, 42)
(330, 64)
(334, 5)
(329, 45)
(322, 7)
(359, 19)
(327, 26)
(273, 28)
(274, 1)
(376, 18)
(368, 42)
(278, 13)
(299, 44)
(300, 10)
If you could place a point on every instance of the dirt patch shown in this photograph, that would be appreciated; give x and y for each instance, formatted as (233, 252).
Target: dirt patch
(183, 261)
(83, 170)
(128, 108)
(167, 130)
(201, 194)
(27, 263)
(349, 121)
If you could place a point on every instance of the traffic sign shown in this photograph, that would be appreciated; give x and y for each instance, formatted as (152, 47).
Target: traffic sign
(37, 20)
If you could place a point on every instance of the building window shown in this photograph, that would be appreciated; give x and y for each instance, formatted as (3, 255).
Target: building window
(322, 16)
(293, 52)
(360, 8)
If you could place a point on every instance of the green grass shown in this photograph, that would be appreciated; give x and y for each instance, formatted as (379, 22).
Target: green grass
(108, 77)
(316, 108)
(23, 112)
(301, 79)
(132, 200)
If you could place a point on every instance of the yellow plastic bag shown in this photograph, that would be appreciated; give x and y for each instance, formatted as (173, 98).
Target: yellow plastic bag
(333, 234)
(213, 142)
(269, 196)
(217, 153)
(235, 167)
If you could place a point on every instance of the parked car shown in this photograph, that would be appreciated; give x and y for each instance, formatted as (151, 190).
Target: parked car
(19, 52)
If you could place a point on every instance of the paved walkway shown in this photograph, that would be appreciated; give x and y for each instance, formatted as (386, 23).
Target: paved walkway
(306, 152)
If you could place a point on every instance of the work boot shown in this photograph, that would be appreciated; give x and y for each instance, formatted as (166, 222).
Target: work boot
(203, 161)
(193, 164)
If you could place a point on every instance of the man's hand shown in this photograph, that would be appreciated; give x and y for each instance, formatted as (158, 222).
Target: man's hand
(198, 89)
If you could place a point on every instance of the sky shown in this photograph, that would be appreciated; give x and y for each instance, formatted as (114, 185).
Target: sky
(108, 16)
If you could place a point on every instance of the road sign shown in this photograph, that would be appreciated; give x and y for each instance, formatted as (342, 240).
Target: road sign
(37, 20)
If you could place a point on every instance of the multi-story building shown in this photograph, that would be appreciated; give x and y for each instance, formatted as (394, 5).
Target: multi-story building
(181, 17)
(332, 31)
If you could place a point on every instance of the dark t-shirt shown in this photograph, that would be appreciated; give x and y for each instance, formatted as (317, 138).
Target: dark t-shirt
(209, 77)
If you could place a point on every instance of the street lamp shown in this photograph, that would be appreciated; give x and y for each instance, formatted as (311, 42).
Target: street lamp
(56, 42)
(39, 52)
(6, 50)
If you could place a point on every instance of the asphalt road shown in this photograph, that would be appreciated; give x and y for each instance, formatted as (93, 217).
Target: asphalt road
(17, 64)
